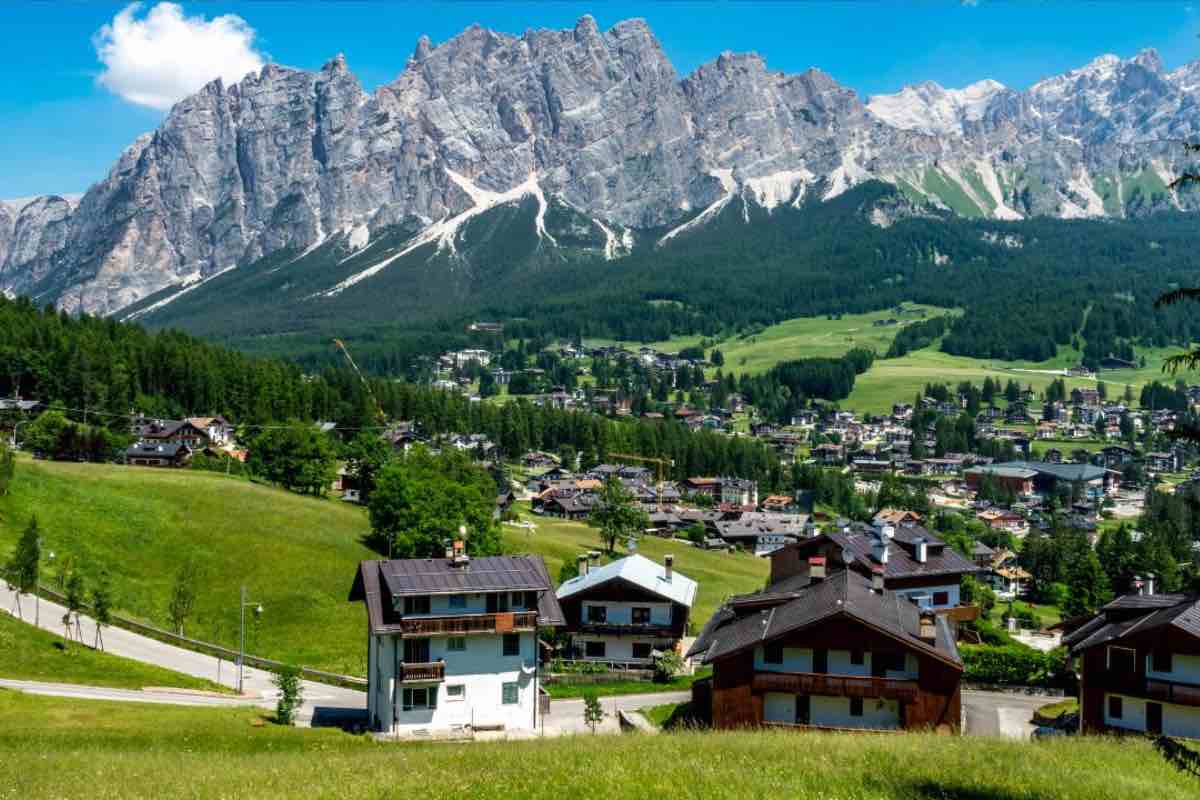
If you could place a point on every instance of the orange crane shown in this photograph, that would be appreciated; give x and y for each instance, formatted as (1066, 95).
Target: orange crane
(660, 462)
(379, 415)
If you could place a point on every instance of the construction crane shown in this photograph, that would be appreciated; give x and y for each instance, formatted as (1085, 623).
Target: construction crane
(380, 417)
(659, 462)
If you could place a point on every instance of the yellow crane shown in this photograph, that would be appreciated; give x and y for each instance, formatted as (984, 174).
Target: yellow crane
(659, 462)
(380, 417)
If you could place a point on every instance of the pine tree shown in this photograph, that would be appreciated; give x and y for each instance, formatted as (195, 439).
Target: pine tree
(101, 606)
(1087, 585)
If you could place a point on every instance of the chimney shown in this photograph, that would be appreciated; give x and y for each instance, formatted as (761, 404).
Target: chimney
(1150, 583)
(928, 626)
(816, 569)
(887, 531)
(582, 564)
(880, 550)
(877, 579)
(669, 566)
(1138, 586)
(921, 549)
(449, 551)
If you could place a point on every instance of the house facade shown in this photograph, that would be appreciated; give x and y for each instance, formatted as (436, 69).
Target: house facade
(914, 563)
(1138, 663)
(452, 642)
(626, 610)
(830, 653)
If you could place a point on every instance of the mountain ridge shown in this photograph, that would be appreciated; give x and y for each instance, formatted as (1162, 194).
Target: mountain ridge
(601, 122)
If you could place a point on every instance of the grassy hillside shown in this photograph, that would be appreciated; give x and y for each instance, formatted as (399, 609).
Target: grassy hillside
(719, 574)
(168, 752)
(36, 655)
(296, 555)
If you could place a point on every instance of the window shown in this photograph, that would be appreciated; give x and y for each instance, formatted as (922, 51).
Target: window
(456, 644)
(856, 706)
(518, 599)
(510, 694)
(941, 598)
(820, 661)
(773, 654)
(597, 614)
(416, 651)
(642, 649)
(416, 605)
(425, 697)
(1161, 661)
(593, 649)
(1122, 659)
(641, 615)
(857, 657)
(1114, 707)
(512, 644)
(456, 692)
(531, 600)
(1153, 718)
(458, 601)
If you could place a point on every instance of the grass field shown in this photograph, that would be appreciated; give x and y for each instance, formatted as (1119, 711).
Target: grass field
(68, 749)
(296, 555)
(682, 683)
(719, 574)
(36, 655)
(900, 379)
(803, 337)
(1046, 615)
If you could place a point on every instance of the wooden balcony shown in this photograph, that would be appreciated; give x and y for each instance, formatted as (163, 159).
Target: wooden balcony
(1167, 692)
(614, 629)
(428, 672)
(836, 685)
(960, 613)
(508, 622)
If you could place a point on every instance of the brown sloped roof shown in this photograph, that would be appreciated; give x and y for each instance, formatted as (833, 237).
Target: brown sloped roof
(789, 606)
(1135, 614)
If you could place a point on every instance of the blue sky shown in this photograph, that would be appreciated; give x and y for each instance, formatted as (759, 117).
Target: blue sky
(62, 128)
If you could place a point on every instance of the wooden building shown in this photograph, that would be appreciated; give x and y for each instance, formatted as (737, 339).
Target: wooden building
(830, 653)
(1138, 663)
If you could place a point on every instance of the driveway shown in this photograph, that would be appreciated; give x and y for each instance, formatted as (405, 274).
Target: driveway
(1000, 713)
(566, 716)
(159, 696)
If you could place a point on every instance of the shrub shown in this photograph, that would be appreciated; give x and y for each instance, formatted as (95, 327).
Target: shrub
(1012, 664)
(666, 666)
(291, 695)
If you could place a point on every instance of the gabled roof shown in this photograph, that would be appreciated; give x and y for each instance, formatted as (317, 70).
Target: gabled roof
(639, 571)
(795, 603)
(1131, 614)
(418, 576)
(856, 545)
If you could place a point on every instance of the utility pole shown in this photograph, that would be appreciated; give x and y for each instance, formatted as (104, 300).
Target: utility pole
(258, 610)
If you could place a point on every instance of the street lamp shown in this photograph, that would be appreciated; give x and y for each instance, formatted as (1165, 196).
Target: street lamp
(258, 610)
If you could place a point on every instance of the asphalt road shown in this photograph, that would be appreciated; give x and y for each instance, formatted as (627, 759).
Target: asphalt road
(164, 697)
(1000, 713)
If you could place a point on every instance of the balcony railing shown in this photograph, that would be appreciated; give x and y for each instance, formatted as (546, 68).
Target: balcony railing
(628, 629)
(426, 672)
(1169, 692)
(836, 685)
(507, 622)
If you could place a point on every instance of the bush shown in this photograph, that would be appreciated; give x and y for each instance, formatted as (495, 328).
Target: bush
(291, 695)
(666, 666)
(1015, 665)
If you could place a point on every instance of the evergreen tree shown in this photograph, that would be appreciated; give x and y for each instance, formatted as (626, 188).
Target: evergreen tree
(101, 605)
(1087, 585)
(23, 566)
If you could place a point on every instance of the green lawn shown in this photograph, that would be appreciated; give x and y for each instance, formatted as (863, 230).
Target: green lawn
(37, 655)
(719, 574)
(1046, 615)
(682, 683)
(802, 337)
(68, 749)
(296, 555)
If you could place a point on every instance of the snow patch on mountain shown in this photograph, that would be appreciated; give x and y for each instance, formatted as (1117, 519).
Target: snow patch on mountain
(725, 176)
(778, 188)
(932, 109)
(444, 232)
(189, 284)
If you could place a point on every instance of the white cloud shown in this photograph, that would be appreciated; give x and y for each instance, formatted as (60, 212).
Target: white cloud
(159, 59)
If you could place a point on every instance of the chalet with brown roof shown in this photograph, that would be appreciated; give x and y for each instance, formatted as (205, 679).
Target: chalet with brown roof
(837, 652)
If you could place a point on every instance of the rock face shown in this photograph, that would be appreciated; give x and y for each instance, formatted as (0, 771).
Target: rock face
(599, 121)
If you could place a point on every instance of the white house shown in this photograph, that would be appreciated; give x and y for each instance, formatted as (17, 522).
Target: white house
(452, 642)
(625, 610)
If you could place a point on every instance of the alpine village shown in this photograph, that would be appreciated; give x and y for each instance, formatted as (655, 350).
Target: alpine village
(555, 417)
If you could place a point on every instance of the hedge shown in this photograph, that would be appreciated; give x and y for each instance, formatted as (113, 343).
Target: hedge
(1010, 664)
